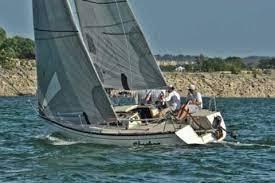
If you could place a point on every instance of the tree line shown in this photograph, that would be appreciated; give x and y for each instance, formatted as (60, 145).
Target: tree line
(179, 57)
(14, 47)
(206, 64)
(267, 64)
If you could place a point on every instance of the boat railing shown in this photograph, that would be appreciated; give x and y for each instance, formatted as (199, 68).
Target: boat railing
(142, 120)
(212, 104)
(74, 117)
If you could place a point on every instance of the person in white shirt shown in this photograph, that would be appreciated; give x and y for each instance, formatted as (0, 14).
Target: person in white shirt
(193, 105)
(173, 101)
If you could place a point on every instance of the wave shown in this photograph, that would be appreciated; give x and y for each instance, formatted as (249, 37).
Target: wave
(239, 144)
(60, 142)
(55, 140)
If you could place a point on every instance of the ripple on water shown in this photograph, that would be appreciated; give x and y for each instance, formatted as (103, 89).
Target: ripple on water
(28, 153)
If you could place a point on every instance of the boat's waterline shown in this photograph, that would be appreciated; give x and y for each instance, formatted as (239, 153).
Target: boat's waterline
(165, 138)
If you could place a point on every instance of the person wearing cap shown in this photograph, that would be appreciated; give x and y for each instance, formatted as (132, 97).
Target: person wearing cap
(194, 103)
(173, 101)
(194, 97)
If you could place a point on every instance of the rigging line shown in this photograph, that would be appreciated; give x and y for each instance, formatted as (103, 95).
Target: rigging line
(113, 50)
(110, 2)
(127, 44)
(122, 50)
(117, 65)
(113, 39)
(113, 43)
(34, 108)
(148, 47)
(97, 41)
(113, 67)
(117, 48)
(112, 53)
(101, 50)
(82, 33)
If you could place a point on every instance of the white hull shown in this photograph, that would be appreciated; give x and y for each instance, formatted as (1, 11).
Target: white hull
(120, 140)
(166, 138)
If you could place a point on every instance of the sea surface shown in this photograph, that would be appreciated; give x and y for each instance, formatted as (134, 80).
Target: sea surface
(30, 153)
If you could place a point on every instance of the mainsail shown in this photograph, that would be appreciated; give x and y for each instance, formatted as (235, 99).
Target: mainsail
(117, 46)
(68, 85)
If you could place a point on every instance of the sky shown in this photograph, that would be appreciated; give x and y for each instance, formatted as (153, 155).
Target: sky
(190, 27)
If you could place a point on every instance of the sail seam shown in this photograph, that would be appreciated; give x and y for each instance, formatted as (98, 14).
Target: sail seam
(56, 37)
(111, 2)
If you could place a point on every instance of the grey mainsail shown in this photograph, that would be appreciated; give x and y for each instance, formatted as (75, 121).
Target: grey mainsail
(68, 86)
(117, 46)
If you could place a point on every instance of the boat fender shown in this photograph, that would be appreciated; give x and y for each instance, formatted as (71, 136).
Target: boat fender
(217, 126)
(217, 122)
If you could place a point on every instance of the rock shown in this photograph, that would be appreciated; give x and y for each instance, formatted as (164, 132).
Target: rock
(18, 81)
(22, 80)
(229, 85)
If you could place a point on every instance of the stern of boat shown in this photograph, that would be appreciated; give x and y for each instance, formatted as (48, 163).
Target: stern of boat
(203, 127)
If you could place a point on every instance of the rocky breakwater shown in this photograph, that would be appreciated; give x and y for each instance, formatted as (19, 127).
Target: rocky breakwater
(246, 84)
(20, 80)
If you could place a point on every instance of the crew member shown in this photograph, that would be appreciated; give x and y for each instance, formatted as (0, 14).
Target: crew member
(193, 105)
(173, 101)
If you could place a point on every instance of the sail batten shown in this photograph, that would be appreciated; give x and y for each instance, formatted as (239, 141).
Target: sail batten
(111, 30)
(56, 37)
(110, 25)
(49, 30)
(69, 89)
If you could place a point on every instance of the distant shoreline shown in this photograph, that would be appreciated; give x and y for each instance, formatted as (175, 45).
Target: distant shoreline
(217, 97)
(22, 81)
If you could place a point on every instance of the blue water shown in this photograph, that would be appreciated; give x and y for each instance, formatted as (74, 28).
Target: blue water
(28, 153)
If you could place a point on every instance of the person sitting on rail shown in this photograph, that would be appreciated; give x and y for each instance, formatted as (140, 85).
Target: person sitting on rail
(193, 105)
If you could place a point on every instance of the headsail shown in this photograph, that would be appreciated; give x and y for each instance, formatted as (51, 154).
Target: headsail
(68, 85)
(117, 46)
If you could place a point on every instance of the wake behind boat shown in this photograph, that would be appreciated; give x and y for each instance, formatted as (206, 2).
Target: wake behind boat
(79, 58)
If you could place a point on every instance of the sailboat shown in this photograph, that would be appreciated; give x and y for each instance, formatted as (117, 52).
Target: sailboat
(104, 47)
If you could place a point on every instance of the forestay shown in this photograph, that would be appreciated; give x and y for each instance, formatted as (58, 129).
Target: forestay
(117, 46)
(68, 86)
